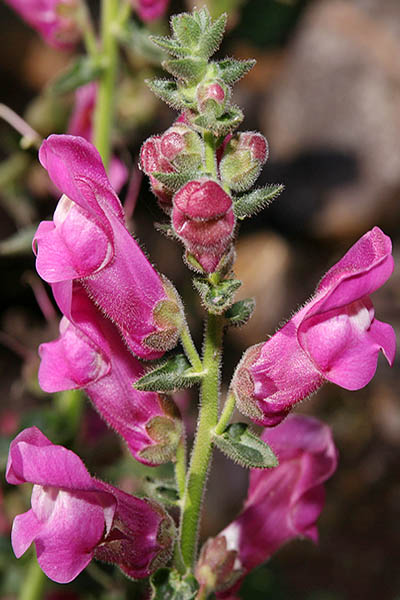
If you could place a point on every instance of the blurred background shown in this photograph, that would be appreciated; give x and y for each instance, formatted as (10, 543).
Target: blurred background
(326, 94)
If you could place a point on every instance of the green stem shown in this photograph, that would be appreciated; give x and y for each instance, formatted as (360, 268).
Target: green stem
(202, 449)
(190, 349)
(225, 417)
(104, 113)
(211, 162)
(34, 582)
(180, 467)
(87, 29)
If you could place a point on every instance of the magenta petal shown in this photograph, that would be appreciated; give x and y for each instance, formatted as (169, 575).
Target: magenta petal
(70, 362)
(73, 526)
(362, 270)
(75, 166)
(24, 531)
(15, 471)
(76, 248)
(282, 375)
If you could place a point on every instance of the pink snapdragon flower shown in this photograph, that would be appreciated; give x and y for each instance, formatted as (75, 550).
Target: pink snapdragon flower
(333, 337)
(90, 354)
(55, 20)
(81, 123)
(75, 517)
(203, 219)
(87, 241)
(283, 503)
(149, 10)
(152, 160)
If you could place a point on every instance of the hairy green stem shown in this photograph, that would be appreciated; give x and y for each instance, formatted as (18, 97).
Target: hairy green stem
(180, 467)
(226, 414)
(104, 113)
(34, 582)
(190, 349)
(202, 449)
(211, 163)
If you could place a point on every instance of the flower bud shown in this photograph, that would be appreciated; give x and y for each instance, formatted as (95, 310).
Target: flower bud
(215, 570)
(183, 147)
(151, 161)
(203, 218)
(242, 160)
(212, 98)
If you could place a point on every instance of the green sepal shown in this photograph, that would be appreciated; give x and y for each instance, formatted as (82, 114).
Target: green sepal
(212, 37)
(191, 70)
(175, 373)
(217, 298)
(166, 89)
(168, 584)
(166, 229)
(171, 46)
(250, 204)
(163, 491)
(174, 181)
(245, 448)
(240, 312)
(222, 125)
(186, 30)
(83, 70)
(231, 70)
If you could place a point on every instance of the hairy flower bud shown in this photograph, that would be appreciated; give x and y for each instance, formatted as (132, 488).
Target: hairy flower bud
(242, 160)
(212, 97)
(183, 147)
(334, 337)
(203, 218)
(152, 161)
(55, 20)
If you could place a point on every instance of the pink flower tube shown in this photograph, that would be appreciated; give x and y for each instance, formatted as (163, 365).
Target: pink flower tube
(81, 123)
(87, 241)
(334, 337)
(54, 19)
(90, 354)
(282, 503)
(149, 10)
(75, 517)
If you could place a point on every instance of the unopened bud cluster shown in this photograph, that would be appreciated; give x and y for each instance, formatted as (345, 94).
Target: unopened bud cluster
(198, 162)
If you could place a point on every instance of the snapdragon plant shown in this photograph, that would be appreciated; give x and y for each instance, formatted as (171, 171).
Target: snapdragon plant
(124, 336)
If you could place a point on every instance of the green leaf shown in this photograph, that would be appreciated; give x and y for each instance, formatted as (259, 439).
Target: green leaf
(186, 29)
(173, 374)
(203, 18)
(240, 312)
(163, 491)
(190, 70)
(167, 584)
(212, 37)
(217, 298)
(82, 71)
(166, 89)
(245, 448)
(174, 181)
(250, 204)
(171, 46)
(19, 243)
(231, 70)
